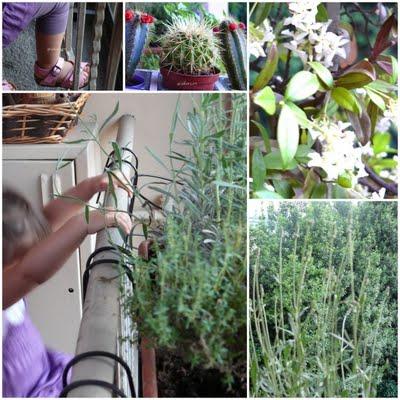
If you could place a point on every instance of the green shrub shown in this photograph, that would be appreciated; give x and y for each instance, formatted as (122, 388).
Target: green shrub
(324, 318)
(191, 297)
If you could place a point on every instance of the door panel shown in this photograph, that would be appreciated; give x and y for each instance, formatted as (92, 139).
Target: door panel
(55, 307)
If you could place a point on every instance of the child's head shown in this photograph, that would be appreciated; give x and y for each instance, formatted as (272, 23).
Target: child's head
(22, 226)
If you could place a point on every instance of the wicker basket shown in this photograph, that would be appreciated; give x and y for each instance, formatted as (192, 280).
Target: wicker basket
(41, 123)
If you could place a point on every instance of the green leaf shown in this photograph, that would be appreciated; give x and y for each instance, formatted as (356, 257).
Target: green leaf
(345, 180)
(346, 99)
(264, 134)
(265, 98)
(322, 14)
(395, 69)
(107, 120)
(303, 84)
(261, 12)
(267, 194)
(258, 169)
(312, 179)
(287, 134)
(382, 86)
(359, 75)
(381, 142)
(274, 161)
(319, 191)
(373, 111)
(323, 73)
(111, 189)
(283, 188)
(268, 69)
(361, 125)
(87, 213)
(117, 154)
(339, 192)
(302, 154)
(300, 115)
(376, 99)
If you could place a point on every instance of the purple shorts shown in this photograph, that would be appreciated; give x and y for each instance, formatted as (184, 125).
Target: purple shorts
(51, 19)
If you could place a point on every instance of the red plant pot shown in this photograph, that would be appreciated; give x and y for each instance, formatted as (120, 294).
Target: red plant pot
(177, 81)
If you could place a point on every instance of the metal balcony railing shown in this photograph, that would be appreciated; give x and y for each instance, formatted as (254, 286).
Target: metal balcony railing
(96, 369)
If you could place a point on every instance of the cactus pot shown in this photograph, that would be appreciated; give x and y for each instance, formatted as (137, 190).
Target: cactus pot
(136, 82)
(176, 81)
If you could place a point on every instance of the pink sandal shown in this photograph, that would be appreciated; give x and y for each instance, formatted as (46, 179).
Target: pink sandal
(8, 86)
(50, 76)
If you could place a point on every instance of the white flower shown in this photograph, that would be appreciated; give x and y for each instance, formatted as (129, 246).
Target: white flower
(311, 40)
(327, 45)
(390, 116)
(339, 155)
(259, 36)
(379, 195)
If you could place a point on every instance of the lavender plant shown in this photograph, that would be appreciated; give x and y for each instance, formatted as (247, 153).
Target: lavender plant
(190, 298)
(320, 325)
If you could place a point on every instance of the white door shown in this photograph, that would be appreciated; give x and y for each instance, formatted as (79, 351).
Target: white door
(55, 307)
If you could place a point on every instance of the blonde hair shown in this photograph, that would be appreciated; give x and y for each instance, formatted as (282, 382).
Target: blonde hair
(22, 225)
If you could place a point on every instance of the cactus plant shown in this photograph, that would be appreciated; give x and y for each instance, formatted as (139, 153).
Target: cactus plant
(189, 47)
(136, 33)
(233, 52)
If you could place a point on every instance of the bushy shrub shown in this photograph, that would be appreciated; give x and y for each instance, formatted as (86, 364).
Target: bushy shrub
(323, 312)
(190, 298)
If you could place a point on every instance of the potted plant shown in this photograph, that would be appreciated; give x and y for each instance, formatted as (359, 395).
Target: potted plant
(137, 27)
(189, 299)
(233, 51)
(190, 55)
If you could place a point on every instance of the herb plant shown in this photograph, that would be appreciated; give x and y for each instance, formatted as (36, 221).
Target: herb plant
(190, 298)
(323, 308)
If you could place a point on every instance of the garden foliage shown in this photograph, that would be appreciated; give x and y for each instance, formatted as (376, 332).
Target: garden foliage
(190, 298)
(324, 300)
(324, 100)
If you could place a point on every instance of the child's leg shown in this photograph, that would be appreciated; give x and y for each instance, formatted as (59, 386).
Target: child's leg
(50, 28)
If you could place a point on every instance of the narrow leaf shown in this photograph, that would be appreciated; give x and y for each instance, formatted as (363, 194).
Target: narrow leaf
(269, 68)
(264, 134)
(117, 154)
(107, 120)
(258, 169)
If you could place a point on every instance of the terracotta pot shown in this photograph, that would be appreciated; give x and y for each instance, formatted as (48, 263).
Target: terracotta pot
(149, 370)
(177, 81)
(153, 50)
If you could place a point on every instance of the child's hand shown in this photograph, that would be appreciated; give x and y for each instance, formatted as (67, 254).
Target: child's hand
(118, 181)
(99, 220)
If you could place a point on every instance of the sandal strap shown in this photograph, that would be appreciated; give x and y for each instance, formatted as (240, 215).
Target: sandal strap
(51, 75)
(69, 78)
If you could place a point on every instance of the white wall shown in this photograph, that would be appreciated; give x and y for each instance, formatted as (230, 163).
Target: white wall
(153, 113)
